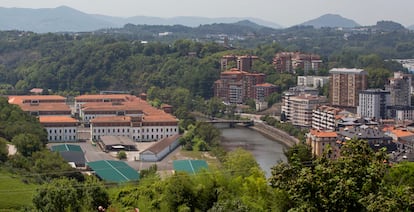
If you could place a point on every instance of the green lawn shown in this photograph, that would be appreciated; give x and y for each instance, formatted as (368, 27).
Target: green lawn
(14, 193)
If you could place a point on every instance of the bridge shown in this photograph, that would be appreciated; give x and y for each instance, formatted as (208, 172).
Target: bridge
(231, 122)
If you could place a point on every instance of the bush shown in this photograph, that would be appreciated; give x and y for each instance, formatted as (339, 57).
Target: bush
(122, 155)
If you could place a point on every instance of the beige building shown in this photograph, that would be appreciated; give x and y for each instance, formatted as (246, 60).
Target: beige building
(319, 141)
(298, 109)
(326, 117)
(345, 85)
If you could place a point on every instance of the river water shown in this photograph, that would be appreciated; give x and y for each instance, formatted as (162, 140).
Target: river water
(267, 152)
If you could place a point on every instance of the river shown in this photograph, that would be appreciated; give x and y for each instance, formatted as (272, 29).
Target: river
(267, 152)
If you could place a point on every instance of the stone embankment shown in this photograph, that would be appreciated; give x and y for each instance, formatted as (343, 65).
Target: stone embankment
(275, 134)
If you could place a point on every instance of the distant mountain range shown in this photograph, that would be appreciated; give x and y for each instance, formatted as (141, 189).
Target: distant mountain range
(66, 19)
(331, 20)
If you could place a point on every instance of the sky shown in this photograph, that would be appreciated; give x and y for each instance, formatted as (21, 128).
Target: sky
(283, 12)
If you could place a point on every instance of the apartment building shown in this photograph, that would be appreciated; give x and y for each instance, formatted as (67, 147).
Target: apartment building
(235, 86)
(373, 103)
(242, 63)
(298, 109)
(312, 81)
(326, 117)
(264, 90)
(345, 85)
(290, 62)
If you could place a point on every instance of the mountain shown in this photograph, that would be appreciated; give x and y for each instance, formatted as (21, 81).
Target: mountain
(410, 27)
(331, 20)
(49, 20)
(66, 19)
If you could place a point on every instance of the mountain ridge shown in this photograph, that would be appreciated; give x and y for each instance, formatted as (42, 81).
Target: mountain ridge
(331, 20)
(64, 18)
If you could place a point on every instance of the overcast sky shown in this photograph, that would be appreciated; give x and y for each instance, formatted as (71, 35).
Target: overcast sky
(283, 12)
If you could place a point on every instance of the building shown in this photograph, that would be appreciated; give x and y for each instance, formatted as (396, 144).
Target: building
(400, 89)
(60, 128)
(345, 85)
(101, 98)
(319, 141)
(326, 117)
(302, 90)
(375, 137)
(72, 154)
(298, 109)
(242, 63)
(114, 171)
(312, 81)
(291, 62)
(116, 143)
(373, 103)
(159, 150)
(264, 90)
(400, 97)
(235, 86)
(42, 105)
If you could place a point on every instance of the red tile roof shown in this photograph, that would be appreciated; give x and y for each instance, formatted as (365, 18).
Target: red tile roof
(323, 134)
(57, 119)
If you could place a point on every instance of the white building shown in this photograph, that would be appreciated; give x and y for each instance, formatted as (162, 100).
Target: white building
(135, 128)
(60, 128)
(313, 81)
(325, 117)
(159, 150)
(373, 103)
(298, 109)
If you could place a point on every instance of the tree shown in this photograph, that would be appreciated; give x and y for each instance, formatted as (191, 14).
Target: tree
(27, 144)
(240, 162)
(326, 185)
(60, 195)
(4, 151)
(121, 155)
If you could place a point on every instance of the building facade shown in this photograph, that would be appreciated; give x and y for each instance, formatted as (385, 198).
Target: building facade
(235, 86)
(400, 89)
(290, 62)
(242, 63)
(312, 81)
(373, 103)
(298, 109)
(60, 128)
(345, 85)
(320, 141)
(326, 117)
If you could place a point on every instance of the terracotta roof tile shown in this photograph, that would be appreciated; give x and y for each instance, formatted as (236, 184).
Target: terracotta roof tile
(57, 119)
(323, 134)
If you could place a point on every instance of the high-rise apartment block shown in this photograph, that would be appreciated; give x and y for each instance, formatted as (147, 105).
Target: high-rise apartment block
(373, 103)
(290, 62)
(235, 86)
(400, 89)
(345, 85)
(298, 109)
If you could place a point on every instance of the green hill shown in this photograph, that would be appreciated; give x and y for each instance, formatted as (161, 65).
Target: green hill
(14, 193)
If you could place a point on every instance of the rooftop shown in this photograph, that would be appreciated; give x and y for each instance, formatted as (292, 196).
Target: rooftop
(323, 134)
(347, 71)
(162, 144)
(57, 119)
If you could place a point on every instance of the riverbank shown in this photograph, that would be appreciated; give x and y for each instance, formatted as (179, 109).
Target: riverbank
(275, 134)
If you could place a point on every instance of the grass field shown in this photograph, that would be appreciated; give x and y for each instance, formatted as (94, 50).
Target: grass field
(14, 193)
